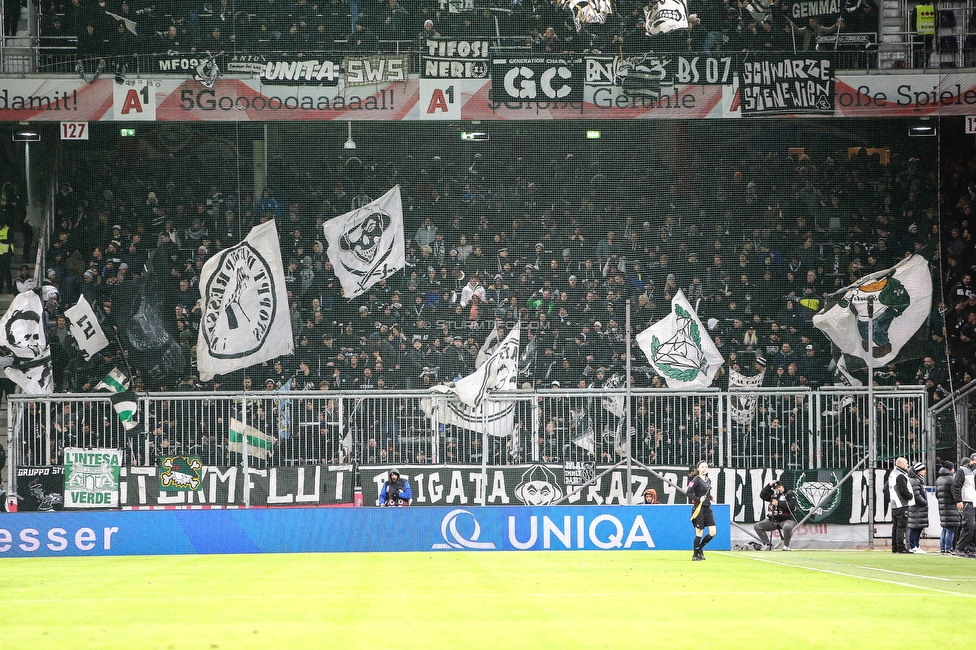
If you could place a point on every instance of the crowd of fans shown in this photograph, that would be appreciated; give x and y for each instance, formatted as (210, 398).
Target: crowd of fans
(557, 243)
(144, 29)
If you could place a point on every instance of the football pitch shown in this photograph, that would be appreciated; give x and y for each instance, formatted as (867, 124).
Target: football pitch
(802, 599)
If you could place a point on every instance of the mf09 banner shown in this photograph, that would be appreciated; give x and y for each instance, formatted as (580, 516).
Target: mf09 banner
(537, 79)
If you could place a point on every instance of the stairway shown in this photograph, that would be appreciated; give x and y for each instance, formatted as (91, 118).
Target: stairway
(893, 50)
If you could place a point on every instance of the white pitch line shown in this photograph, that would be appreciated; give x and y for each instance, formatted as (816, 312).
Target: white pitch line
(854, 575)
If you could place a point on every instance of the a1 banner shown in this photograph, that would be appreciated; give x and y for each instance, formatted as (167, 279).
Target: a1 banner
(304, 485)
(40, 489)
(91, 478)
(787, 86)
(537, 79)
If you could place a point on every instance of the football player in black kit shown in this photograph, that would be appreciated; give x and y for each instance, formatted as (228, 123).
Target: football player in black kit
(699, 492)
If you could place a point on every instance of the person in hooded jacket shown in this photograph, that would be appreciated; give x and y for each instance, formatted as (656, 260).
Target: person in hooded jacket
(949, 516)
(918, 512)
(396, 490)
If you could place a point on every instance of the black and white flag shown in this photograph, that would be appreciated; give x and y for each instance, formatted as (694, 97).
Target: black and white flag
(245, 306)
(664, 16)
(366, 245)
(23, 333)
(474, 408)
(85, 328)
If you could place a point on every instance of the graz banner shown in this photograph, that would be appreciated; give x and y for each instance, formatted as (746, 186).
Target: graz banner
(40, 489)
(539, 485)
(537, 78)
(91, 478)
(787, 86)
(307, 485)
(451, 59)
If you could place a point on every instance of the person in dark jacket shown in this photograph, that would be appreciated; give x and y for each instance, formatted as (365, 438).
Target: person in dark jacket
(781, 509)
(396, 490)
(918, 513)
(964, 494)
(949, 516)
(699, 492)
(900, 493)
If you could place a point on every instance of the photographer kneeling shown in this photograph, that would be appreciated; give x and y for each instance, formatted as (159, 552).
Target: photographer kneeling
(395, 491)
(781, 508)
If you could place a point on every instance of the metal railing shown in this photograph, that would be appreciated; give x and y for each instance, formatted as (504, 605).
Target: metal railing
(794, 429)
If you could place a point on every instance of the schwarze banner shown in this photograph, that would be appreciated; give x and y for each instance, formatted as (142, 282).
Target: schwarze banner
(537, 79)
(787, 86)
(224, 486)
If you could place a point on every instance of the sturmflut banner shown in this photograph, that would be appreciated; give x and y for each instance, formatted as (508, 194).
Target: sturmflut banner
(91, 478)
(245, 306)
(787, 86)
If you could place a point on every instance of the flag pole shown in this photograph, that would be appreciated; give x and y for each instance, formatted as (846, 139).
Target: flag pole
(247, 477)
(630, 484)
(871, 416)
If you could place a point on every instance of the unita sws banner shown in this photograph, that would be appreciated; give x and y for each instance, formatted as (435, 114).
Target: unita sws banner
(310, 530)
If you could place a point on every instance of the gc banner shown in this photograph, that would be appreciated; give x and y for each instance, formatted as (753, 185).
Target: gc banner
(310, 530)
(91, 477)
(537, 79)
(787, 86)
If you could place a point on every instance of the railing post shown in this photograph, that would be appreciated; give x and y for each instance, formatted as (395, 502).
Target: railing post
(536, 414)
(244, 459)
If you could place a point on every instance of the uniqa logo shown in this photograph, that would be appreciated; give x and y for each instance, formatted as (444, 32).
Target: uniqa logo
(454, 539)
(578, 534)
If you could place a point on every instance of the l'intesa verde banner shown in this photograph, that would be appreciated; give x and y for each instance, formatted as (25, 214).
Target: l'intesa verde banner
(598, 87)
(91, 478)
(541, 485)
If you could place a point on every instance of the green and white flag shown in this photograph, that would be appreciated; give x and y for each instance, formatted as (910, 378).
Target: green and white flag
(902, 298)
(126, 405)
(258, 442)
(115, 381)
(91, 478)
(679, 348)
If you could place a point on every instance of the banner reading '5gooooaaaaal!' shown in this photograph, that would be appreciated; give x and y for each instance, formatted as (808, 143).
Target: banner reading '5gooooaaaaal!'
(787, 86)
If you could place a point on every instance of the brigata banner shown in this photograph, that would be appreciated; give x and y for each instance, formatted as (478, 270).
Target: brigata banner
(91, 477)
(314, 530)
(538, 485)
(537, 78)
(787, 86)
(145, 487)
(40, 488)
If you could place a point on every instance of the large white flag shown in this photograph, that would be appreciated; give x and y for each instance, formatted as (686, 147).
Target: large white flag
(679, 347)
(245, 317)
(22, 328)
(85, 328)
(591, 12)
(902, 297)
(366, 245)
(474, 409)
(743, 407)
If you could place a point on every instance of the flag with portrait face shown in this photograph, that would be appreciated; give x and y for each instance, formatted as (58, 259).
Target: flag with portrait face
(23, 334)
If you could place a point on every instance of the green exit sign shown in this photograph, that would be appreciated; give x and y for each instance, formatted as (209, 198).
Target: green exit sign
(592, 135)
(127, 133)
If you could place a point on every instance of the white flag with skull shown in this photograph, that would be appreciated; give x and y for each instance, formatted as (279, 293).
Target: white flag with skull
(590, 12)
(366, 245)
(664, 16)
(23, 332)
(679, 348)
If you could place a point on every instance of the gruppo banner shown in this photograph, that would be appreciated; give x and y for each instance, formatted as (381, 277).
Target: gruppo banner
(577, 89)
(310, 530)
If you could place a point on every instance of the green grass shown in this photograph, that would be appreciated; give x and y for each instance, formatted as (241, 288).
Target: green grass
(802, 599)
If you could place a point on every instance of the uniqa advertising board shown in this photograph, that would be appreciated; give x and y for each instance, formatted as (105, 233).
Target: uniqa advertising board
(304, 530)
